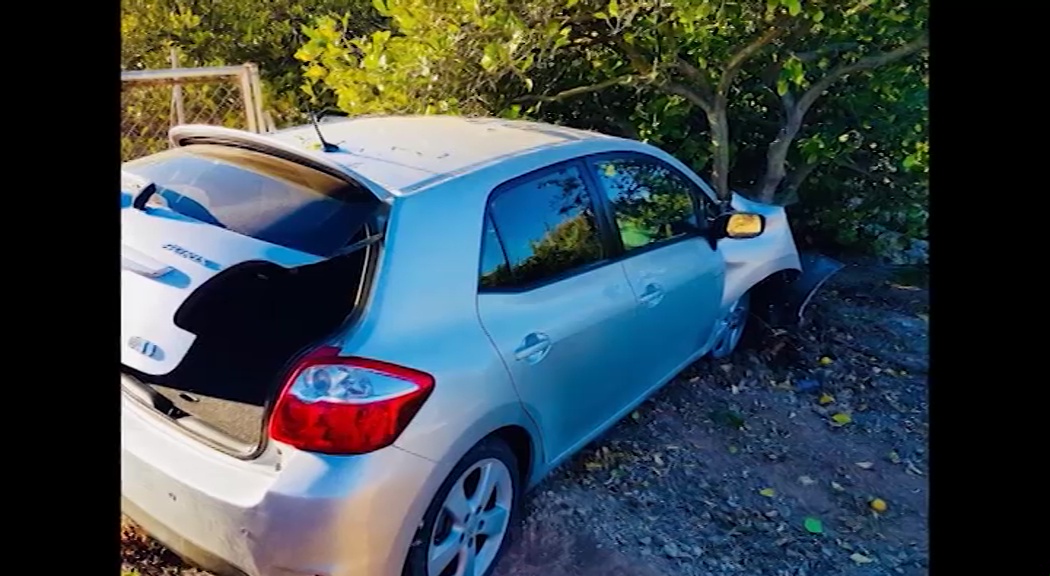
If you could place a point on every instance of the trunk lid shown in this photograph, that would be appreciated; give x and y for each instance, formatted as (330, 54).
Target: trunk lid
(165, 256)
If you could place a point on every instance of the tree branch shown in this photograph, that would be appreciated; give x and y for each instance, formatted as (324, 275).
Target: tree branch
(693, 96)
(867, 63)
(795, 111)
(695, 75)
(735, 62)
(828, 50)
(578, 90)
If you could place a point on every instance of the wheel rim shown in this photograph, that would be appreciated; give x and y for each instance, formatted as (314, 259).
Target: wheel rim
(735, 321)
(473, 521)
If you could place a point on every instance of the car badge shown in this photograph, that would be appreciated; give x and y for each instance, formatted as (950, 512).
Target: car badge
(145, 347)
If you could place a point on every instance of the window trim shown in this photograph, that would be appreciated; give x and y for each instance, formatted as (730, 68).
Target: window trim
(610, 211)
(611, 249)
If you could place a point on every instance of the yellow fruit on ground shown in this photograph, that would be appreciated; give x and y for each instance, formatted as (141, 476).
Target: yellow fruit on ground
(878, 505)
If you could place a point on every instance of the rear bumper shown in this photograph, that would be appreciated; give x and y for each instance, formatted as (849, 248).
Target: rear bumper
(284, 514)
(189, 551)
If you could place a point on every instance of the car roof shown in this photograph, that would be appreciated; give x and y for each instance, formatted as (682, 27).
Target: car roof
(406, 154)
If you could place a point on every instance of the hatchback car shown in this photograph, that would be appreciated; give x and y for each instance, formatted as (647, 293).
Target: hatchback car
(353, 359)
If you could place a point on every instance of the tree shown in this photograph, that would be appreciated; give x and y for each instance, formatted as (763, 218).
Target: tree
(230, 32)
(468, 56)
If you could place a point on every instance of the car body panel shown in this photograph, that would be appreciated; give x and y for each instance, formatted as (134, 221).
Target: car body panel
(589, 321)
(356, 516)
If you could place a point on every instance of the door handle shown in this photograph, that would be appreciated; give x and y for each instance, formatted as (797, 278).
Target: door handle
(653, 295)
(533, 348)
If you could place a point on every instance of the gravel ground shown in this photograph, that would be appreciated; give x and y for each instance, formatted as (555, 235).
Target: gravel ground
(771, 463)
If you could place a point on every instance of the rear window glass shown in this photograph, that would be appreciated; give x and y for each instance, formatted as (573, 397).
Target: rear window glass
(257, 195)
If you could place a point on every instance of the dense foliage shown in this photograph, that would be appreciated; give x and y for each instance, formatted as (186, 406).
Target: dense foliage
(819, 104)
(230, 32)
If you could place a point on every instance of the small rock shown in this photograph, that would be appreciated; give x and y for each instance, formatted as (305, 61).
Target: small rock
(645, 540)
(671, 550)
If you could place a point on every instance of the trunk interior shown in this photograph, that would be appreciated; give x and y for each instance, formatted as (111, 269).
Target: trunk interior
(251, 320)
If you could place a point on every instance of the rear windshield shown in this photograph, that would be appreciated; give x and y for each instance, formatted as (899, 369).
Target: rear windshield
(257, 195)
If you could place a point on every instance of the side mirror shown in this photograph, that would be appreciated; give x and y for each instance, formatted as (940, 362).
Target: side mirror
(738, 225)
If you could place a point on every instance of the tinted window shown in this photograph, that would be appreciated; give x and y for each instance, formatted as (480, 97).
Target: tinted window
(547, 225)
(650, 199)
(494, 269)
(257, 195)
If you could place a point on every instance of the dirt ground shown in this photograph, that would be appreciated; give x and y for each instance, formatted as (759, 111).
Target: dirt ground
(765, 464)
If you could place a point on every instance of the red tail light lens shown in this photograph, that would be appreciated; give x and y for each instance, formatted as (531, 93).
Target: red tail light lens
(345, 405)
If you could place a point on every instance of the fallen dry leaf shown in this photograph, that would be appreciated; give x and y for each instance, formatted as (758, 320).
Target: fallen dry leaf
(806, 480)
(878, 505)
(894, 457)
(824, 360)
(860, 558)
(837, 487)
(658, 460)
(768, 492)
(826, 399)
(866, 465)
(842, 419)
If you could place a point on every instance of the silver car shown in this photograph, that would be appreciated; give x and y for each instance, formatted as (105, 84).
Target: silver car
(348, 348)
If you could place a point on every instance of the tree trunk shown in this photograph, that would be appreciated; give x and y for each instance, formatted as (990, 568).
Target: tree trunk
(718, 123)
(776, 157)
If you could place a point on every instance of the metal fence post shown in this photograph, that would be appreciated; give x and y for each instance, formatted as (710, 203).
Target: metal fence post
(257, 97)
(248, 96)
(176, 91)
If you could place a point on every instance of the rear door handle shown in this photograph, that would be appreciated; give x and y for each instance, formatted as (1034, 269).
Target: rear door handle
(652, 296)
(533, 348)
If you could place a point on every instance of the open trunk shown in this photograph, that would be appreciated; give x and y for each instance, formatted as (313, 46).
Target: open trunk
(236, 262)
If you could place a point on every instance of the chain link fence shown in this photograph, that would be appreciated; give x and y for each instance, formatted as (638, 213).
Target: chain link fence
(152, 101)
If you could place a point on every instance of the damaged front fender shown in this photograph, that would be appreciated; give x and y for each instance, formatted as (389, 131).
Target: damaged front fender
(780, 301)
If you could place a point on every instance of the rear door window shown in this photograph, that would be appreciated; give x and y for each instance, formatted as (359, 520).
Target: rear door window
(257, 195)
(540, 227)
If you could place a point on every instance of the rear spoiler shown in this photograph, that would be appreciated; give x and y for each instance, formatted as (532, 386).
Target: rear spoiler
(188, 134)
(781, 301)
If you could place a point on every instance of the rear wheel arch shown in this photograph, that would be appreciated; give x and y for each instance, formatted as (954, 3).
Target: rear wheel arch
(523, 445)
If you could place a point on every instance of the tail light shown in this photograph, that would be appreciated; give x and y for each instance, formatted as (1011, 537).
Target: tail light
(345, 405)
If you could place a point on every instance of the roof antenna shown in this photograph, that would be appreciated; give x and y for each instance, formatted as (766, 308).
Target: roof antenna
(325, 145)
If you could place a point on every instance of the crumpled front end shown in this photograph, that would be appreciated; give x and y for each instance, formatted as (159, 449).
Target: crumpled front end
(781, 281)
(781, 300)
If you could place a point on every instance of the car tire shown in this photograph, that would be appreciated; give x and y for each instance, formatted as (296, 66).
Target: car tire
(441, 529)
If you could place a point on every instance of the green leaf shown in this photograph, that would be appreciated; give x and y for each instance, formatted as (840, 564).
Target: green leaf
(813, 525)
(571, 3)
(818, 16)
(380, 6)
(490, 59)
(782, 86)
(793, 6)
(601, 15)
(614, 8)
